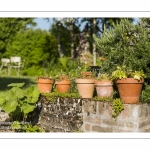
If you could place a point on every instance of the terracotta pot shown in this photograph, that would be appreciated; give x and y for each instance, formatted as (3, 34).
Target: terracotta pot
(85, 87)
(104, 88)
(45, 85)
(129, 90)
(63, 86)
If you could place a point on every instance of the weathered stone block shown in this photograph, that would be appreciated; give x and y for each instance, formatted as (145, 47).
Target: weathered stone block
(121, 130)
(92, 119)
(143, 123)
(100, 108)
(85, 107)
(92, 107)
(132, 125)
(112, 122)
(87, 127)
(101, 129)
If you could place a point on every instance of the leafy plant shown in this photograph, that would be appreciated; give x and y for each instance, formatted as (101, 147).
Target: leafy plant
(18, 102)
(83, 71)
(124, 72)
(126, 44)
(103, 77)
(145, 94)
(25, 127)
(64, 62)
(117, 107)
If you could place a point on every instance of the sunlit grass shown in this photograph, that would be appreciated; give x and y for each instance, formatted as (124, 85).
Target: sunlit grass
(5, 80)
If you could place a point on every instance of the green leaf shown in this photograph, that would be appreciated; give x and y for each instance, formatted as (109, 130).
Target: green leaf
(32, 100)
(36, 92)
(30, 91)
(16, 125)
(2, 100)
(17, 111)
(10, 107)
(33, 94)
(26, 108)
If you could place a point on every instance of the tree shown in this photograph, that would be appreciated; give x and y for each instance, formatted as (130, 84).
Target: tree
(36, 47)
(65, 30)
(125, 45)
(9, 28)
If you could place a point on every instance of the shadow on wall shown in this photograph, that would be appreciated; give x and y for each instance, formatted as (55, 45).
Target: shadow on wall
(4, 81)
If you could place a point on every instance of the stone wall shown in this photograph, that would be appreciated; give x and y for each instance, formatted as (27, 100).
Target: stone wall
(97, 117)
(87, 115)
(62, 115)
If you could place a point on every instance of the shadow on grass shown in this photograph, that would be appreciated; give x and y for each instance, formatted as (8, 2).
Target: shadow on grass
(4, 81)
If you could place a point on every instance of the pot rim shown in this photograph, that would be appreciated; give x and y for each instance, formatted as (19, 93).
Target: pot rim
(63, 82)
(129, 80)
(84, 81)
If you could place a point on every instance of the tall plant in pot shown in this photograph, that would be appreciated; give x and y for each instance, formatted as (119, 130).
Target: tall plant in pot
(126, 44)
(129, 84)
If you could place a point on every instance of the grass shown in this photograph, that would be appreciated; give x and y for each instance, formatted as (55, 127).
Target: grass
(5, 80)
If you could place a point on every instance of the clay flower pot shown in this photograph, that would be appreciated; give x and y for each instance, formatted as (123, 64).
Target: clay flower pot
(129, 90)
(85, 87)
(63, 86)
(45, 84)
(104, 88)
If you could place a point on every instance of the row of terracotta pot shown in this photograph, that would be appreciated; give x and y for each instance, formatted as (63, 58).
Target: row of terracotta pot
(129, 88)
(85, 87)
(45, 85)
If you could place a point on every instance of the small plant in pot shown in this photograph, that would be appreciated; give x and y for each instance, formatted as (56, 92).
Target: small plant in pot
(104, 85)
(85, 83)
(84, 71)
(45, 83)
(129, 84)
(62, 82)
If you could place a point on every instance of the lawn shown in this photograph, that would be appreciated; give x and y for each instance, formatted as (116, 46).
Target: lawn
(5, 80)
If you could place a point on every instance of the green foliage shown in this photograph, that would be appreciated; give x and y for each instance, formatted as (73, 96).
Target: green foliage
(16, 125)
(117, 107)
(9, 27)
(19, 102)
(123, 72)
(145, 94)
(54, 95)
(125, 44)
(104, 99)
(103, 77)
(36, 48)
(64, 61)
(25, 127)
(61, 31)
(81, 68)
